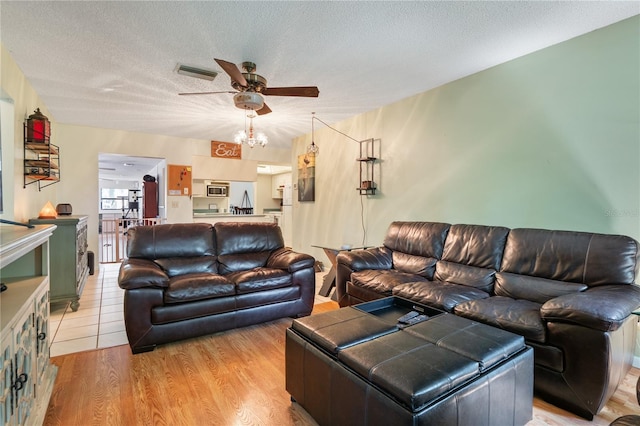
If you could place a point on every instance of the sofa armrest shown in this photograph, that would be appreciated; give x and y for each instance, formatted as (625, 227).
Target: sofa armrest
(372, 258)
(138, 273)
(289, 260)
(602, 308)
(348, 262)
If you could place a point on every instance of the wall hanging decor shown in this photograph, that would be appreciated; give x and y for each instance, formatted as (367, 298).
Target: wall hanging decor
(306, 177)
(41, 157)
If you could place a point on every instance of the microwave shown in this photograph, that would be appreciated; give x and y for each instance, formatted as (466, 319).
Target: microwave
(217, 190)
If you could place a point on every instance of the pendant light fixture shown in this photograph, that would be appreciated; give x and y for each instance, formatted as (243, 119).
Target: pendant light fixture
(313, 148)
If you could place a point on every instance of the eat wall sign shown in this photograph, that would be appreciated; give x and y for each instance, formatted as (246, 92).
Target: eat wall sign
(226, 150)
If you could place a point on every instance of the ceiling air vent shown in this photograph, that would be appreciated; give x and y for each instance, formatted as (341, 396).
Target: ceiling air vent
(196, 72)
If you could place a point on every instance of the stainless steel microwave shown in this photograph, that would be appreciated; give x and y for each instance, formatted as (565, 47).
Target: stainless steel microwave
(217, 191)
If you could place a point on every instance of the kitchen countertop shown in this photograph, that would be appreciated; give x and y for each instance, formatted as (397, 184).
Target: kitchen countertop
(226, 215)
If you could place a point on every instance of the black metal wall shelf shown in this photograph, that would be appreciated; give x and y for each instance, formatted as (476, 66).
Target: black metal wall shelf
(367, 161)
(41, 162)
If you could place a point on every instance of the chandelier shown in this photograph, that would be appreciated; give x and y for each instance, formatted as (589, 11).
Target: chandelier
(252, 139)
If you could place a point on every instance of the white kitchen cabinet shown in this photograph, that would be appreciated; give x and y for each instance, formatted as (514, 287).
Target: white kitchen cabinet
(199, 188)
(278, 183)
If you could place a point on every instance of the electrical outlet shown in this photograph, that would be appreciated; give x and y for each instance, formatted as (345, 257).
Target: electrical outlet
(175, 204)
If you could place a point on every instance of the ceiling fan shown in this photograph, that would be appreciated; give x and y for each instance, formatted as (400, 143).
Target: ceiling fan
(251, 87)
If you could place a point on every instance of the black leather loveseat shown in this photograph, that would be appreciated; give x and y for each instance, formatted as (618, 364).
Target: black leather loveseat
(570, 294)
(188, 280)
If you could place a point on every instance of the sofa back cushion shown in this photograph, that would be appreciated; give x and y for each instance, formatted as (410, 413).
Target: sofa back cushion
(173, 266)
(242, 246)
(170, 240)
(535, 289)
(416, 246)
(578, 257)
(472, 255)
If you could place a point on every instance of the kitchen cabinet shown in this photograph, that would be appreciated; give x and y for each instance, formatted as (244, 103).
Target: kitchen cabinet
(27, 376)
(199, 188)
(278, 183)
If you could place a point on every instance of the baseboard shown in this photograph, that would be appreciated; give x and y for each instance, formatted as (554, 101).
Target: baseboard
(636, 361)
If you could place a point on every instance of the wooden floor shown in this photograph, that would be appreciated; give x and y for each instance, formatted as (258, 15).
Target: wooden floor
(230, 378)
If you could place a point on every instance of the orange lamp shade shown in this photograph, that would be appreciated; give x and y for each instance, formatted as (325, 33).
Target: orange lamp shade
(48, 212)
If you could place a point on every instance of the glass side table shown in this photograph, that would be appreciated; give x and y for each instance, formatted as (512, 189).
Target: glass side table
(329, 280)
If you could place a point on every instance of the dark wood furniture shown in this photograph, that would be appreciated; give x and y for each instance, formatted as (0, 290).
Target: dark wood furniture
(329, 280)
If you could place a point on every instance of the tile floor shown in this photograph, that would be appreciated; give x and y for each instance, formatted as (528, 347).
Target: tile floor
(99, 321)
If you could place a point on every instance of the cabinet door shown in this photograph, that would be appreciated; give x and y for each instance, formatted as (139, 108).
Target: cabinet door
(24, 376)
(82, 266)
(6, 379)
(42, 336)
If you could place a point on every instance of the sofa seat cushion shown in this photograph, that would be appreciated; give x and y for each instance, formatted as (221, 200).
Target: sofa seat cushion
(258, 279)
(190, 287)
(438, 294)
(382, 281)
(516, 315)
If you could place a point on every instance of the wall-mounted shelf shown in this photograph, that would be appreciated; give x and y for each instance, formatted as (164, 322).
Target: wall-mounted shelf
(41, 162)
(367, 161)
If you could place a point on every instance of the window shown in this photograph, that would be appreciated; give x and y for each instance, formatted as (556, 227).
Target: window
(114, 198)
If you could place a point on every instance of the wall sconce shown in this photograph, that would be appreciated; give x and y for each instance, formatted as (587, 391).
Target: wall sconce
(38, 127)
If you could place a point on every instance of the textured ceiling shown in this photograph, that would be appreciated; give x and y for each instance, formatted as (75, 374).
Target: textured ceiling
(112, 64)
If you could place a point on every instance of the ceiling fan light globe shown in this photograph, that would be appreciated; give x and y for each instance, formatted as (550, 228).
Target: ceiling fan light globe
(262, 139)
(240, 137)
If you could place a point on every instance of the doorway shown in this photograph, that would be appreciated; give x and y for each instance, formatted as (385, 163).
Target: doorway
(122, 181)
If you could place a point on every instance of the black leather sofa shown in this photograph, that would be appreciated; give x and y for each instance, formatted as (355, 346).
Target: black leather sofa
(570, 294)
(189, 280)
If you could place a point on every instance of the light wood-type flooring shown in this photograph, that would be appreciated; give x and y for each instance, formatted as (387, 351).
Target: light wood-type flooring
(229, 378)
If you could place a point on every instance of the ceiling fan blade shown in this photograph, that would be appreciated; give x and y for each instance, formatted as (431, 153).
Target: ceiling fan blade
(264, 110)
(233, 71)
(305, 91)
(205, 93)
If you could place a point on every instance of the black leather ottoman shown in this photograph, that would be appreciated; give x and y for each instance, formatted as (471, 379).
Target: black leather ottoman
(356, 366)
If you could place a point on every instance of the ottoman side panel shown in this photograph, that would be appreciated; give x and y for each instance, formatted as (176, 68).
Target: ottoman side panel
(524, 367)
(502, 396)
(294, 366)
(318, 376)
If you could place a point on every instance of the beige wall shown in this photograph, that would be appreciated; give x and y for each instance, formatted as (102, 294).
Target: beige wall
(79, 150)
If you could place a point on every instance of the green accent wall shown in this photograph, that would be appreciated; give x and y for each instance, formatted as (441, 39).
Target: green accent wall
(549, 140)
